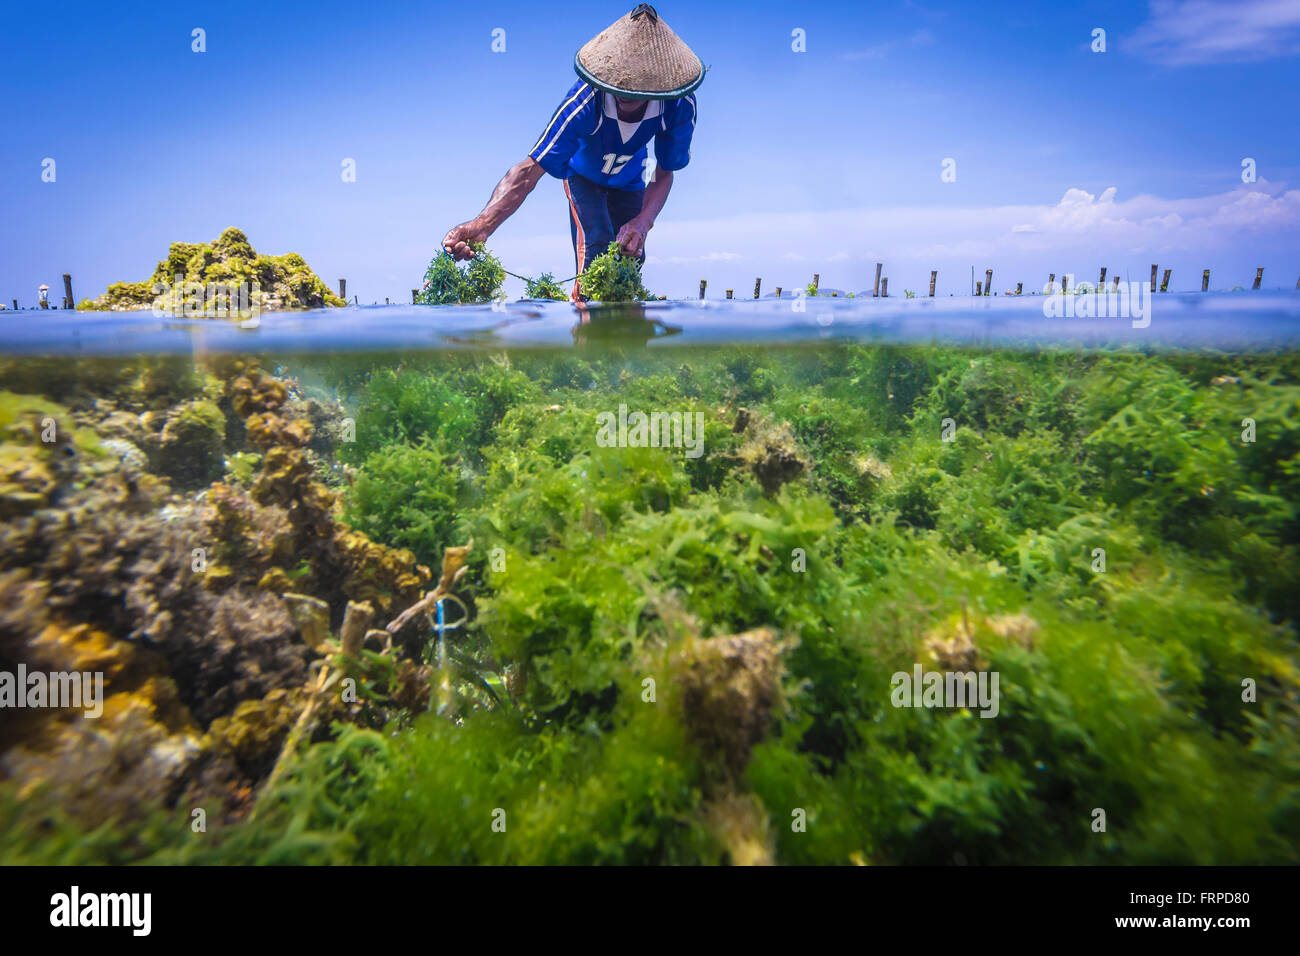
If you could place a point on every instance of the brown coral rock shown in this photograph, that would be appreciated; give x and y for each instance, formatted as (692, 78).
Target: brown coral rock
(730, 689)
(953, 647)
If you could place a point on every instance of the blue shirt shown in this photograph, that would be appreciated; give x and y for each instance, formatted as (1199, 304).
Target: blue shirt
(585, 136)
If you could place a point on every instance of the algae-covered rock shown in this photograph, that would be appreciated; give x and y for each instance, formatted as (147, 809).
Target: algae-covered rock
(250, 389)
(186, 443)
(104, 769)
(25, 481)
(739, 822)
(770, 452)
(284, 529)
(279, 282)
(96, 765)
(254, 732)
(251, 647)
(40, 452)
(731, 687)
(104, 570)
(311, 616)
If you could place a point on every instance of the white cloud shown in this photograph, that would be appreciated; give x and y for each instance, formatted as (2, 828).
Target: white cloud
(1187, 32)
(1150, 221)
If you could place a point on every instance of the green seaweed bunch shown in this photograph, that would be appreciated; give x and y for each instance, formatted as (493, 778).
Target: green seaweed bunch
(446, 283)
(614, 277)
(409, 494)
(544, 287)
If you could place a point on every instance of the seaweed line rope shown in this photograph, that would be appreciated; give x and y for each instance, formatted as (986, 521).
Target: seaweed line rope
(514, 274)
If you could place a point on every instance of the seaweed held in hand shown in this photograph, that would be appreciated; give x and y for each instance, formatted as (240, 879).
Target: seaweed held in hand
(448, 283)
(614, 277)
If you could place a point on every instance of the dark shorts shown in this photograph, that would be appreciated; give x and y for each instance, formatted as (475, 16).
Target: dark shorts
(596, 213)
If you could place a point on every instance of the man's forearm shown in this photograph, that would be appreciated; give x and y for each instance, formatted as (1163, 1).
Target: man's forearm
(656, 194)
(510, 194)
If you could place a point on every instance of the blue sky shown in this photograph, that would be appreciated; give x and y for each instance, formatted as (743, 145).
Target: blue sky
(823, 161)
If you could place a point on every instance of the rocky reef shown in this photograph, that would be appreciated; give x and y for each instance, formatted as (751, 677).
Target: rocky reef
(122, 556)
(281, 282)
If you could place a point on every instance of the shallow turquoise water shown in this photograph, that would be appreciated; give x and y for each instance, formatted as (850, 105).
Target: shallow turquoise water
(1229, 321)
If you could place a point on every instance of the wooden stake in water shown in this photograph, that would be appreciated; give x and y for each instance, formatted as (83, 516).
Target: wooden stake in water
(343, 289)
(1114, 284)
(1154, 269)
(415, 293)
(16, 301)
(1051, 282)
(817, 282)
(988, 281)
(1019, 286)
(875, 291)
(728, 293)
(356, 621)
(1205, 280)
(703, 284)
(1101, 283)
(1065, 284)
(934, 274)
(1259, 277)
(1164, 283)
(778, 292)
(70, 302)
(386, 302)
(884, 288)
(979, 288)
(757, 285)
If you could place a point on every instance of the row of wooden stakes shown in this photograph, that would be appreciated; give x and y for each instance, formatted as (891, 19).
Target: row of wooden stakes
(881, 287)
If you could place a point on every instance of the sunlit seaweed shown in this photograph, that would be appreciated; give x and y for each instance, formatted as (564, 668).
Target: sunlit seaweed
(672, 660)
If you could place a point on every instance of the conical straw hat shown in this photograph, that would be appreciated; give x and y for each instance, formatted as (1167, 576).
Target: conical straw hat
(639, 56)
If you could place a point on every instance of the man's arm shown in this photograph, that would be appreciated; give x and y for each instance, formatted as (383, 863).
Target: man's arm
(509, 195)
(631, 238)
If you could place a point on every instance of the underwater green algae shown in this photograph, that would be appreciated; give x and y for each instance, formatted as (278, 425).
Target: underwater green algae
(827, 518)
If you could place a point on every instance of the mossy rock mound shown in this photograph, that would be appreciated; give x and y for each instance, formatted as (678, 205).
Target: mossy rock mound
(279, 282)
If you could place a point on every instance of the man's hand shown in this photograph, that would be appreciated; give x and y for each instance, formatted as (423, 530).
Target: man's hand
(459, 237)
(631, 238)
